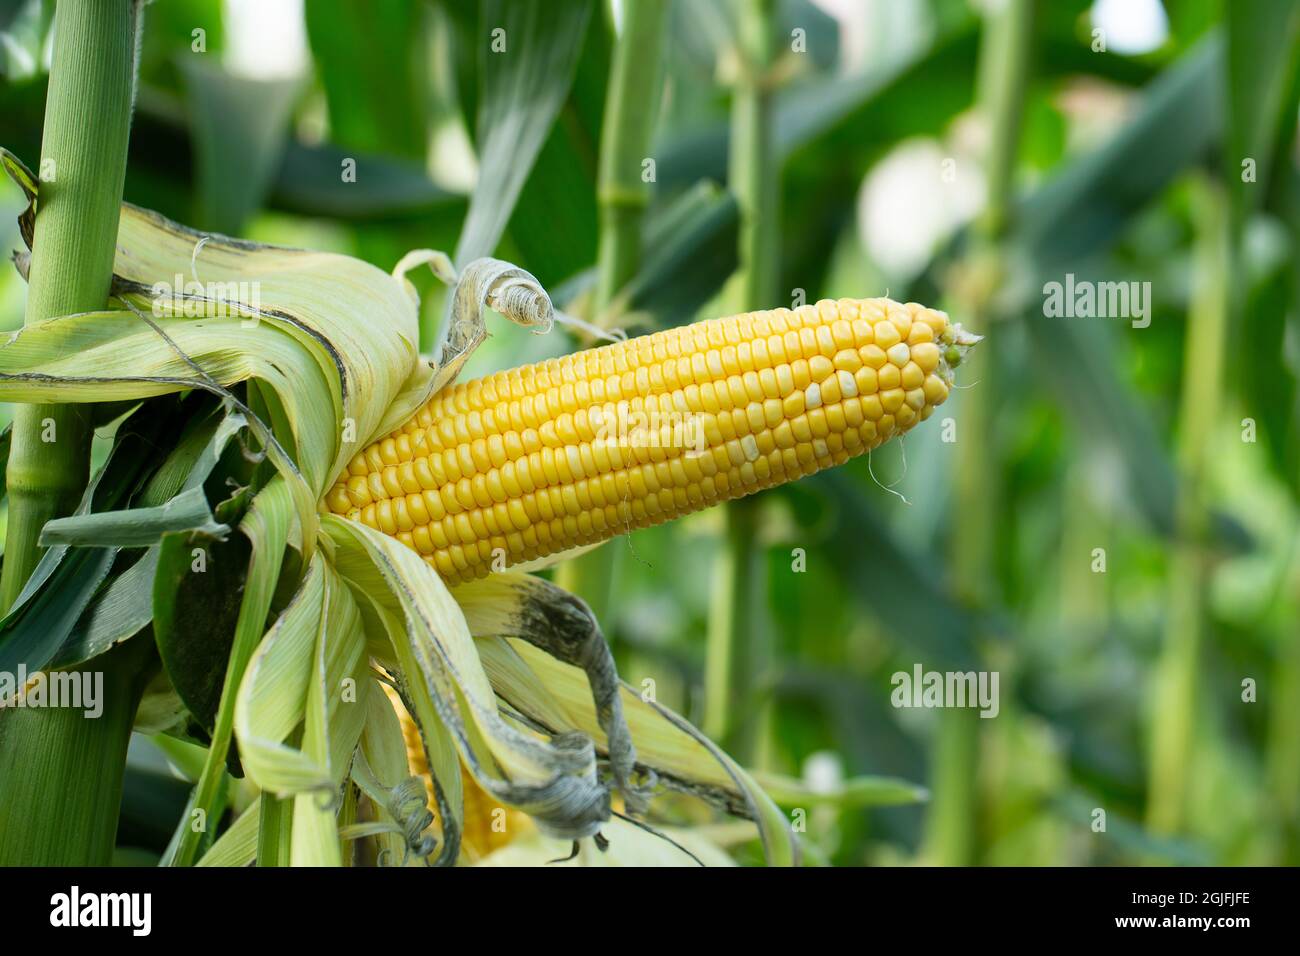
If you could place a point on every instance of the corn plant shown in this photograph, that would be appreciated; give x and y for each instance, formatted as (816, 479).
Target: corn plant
(362, 552)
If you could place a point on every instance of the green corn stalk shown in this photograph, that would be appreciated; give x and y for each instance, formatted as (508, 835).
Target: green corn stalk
(1175, 703)
(734, 661)
(60, 773)
(951, 827)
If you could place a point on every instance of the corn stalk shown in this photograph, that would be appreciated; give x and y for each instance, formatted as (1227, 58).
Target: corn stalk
(623, 196)
(1175, 701)
(734, 662)
(61, 772)
(951, 837)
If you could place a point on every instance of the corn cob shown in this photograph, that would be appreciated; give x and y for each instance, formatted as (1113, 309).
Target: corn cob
(539, 459)
(479, 836)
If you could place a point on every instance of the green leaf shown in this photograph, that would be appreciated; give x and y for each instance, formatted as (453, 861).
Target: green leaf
(119, 610)
(67, 578)
(1260, 64)
(554, 223)
(300, 667)
(124, 605)
(31, 638)
(238, 845)
(240, 127)
(371, 61)
(195, 612)
(1081, 210)
(135, 527)
(266, 528)
(310, 183)
(524, 86)
(854, 793)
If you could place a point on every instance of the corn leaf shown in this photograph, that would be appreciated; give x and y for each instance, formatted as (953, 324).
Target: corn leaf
(385, 189)
(239, 127)
(335, 712)
(274, 693)
(135, 527)
(238, 845)
(196, 592)
(125, 604)
(1260, 63)
(310, 662)
(66, 578)
(119, 610)
(383, 753)
(371, 60)
(554, 221)
(266, 526)
(524, 86)
(1098, 194)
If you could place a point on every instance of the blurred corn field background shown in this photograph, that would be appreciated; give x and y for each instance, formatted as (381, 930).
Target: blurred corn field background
(1105, 513)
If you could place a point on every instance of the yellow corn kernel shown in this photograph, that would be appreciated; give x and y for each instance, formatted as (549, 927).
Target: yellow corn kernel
(573, 450)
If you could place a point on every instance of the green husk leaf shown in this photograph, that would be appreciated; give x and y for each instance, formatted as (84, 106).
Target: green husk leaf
(681, 756)
(124, 605)
(311, 661)
(563, 697)
(382, 755)
(136, 527)
(552, 780)
(238, 845)
(266, 526)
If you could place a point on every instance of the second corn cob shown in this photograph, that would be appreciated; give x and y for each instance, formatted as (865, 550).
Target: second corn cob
(543, 458)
